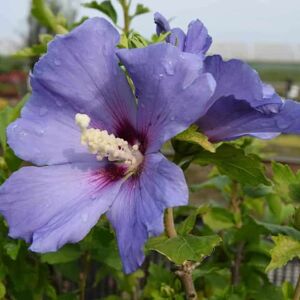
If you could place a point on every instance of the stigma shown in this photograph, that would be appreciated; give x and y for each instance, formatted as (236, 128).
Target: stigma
(105, 145)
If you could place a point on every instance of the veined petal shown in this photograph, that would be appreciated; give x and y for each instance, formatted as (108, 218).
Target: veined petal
(197, 40)
(171, 88)
(51, 206)
(236, 78)
(137, 212)
(79, 74)
(228, 119)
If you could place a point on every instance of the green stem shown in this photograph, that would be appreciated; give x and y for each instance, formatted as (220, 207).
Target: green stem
(184, 271)
(127, 20)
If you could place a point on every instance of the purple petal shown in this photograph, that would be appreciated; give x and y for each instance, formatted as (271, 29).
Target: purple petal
(162, 24)
(177, 38)
(228, 119)
(137, 213)
(172, 90)
(79, 73)
(236, 78)
(197, 40)
(51, 206)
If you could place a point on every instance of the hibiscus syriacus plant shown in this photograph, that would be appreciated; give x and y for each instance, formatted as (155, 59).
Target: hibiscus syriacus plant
(110, 129)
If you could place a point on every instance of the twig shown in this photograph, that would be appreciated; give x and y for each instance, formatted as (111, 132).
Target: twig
(84, 274)
(297, 290)
(184, 272)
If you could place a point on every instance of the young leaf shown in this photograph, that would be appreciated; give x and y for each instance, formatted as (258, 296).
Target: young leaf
(185, 247)
(140, 10)
(105, 7)
(192, 135)
(233, 162)
(285, 249)
(135, 40)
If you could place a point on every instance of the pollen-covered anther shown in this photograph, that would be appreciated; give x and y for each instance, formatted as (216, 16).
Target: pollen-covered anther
(103, 144)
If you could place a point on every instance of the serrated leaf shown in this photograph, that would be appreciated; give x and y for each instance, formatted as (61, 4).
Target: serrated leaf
(105, 7)
(66, 254)
(233, 162)
(185, 247)
(192, 135)
(218, 218)
(141, 9)
(285, 249)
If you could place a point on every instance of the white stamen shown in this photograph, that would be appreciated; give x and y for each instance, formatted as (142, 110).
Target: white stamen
(102, 144)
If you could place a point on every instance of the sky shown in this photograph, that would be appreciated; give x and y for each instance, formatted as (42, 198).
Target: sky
(246, 21)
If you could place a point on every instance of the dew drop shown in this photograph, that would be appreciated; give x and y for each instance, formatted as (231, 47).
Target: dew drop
(84, 217)
(40, 132)
(57, 62)
(169, 68)
(43, 111)
(283, 123)
(161, 75)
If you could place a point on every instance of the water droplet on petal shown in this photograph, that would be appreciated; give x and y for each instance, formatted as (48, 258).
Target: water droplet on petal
(84, 217)
(161, 75)
(169, 67)
(283, 123)
(57, 62)
(40, 131)
(43, 111)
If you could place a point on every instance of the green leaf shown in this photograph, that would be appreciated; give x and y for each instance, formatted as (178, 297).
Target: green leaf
(66, 254)
(185, 247)
(233, 162)
(285, 249)
(192, 135)
(140, 10)
(8, 115)
(188, 224)
(12, 249)
(279, 229)
(105, 7)
(218, 218)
